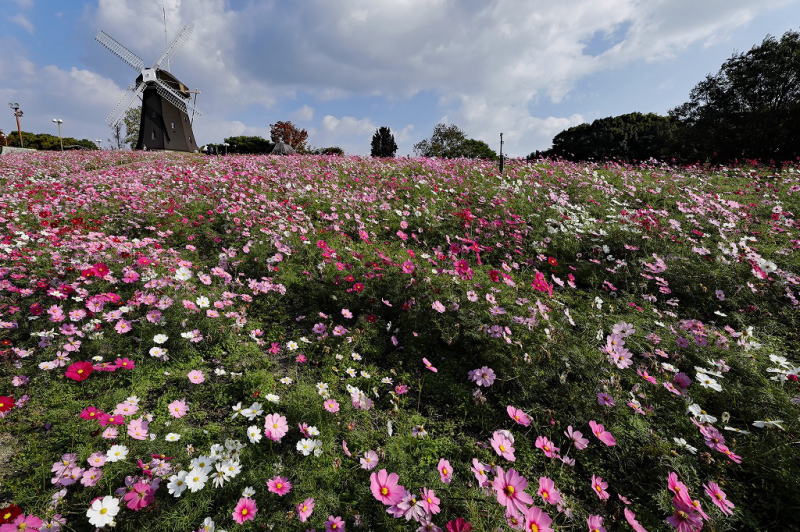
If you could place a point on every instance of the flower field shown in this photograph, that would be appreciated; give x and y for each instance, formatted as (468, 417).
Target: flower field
(343, 343)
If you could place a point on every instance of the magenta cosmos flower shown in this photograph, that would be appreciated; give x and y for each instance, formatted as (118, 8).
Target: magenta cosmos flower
(599, 486)
(548, 447)
(602, 434)
(385, 488)
(304, 509)
(279, 485)
(518, 416)
(275, 427)
(548, 492)
(245, 510)
(509, 487)
(445, 471)
(140, 496)
(79, 371)
(503, 446)
(595, 523)
(334, 524)
(536, 520)
(23, 522)
(719, 498)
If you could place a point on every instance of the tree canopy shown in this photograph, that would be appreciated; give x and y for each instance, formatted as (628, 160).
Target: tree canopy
(290, 134)
(383, 144)
(450, 142)
(46, 141)
(132, 121)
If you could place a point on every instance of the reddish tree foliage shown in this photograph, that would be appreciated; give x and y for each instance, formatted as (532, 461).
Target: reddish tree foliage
(291, 135)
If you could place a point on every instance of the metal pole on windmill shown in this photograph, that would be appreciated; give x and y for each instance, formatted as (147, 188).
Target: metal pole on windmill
(501, 154)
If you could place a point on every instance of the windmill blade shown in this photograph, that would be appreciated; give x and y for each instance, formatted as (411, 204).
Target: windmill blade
(123, 104)
(130, 58)
(182, 35)
(173, 97)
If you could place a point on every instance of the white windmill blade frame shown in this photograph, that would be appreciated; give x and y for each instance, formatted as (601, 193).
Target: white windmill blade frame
(169, 94)
(182, 35)
(116, 48)
(123, 104)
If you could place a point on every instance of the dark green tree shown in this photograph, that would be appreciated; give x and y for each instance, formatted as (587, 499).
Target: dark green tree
(248, 144)
(750, 108)
(132, 119)
(450, 142)
(383, 144)
(46, 141)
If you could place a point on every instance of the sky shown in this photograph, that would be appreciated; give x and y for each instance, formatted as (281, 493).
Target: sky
(341, 69)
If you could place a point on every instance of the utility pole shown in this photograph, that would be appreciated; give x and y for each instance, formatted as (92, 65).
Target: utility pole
(501, 154)
(17, 113)
(58, 122)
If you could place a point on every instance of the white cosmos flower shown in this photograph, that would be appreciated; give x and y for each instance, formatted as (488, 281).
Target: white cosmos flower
(249, 491)
(254, 434)
(196, 479)
(707, 382)
(183, 274)
(306, 446)
(177, 484)
(272, 398)
(286, 380)
(203, 463)
(769, 423)
(291, 345)
(116, 453)
(172, 436)
(202, 302)
(208, 525)
(160, 338)
(102, 511)
(680, 442)
(701, 415)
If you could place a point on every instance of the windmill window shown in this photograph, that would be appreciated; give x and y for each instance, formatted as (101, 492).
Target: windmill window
(172, 125)
(153, 134)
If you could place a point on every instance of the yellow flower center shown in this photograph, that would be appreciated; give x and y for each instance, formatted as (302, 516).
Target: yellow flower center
(305, 508)
(384, 491)
(545, 495)
(534, 527)
(510, 490)
(502, 448)
(429, 500)
(80, 371)
(279, 485)
(444, 471)
(103, 511)
(244, 511)
(274, 425)
(597, 488)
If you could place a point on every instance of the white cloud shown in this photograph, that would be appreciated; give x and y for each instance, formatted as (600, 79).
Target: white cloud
(23, 22)
(304, 114)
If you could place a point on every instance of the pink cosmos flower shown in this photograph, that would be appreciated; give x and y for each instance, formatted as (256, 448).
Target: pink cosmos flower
(445, 471)
(536, 520)
(548, 448)
(91, 476)
(458, 524)
(125, 363)
(178, 408)
(369, 460)
(503, 446)
(428, 365)
(599, 486)
(137, 429)
(23, 522)
(484, 376)
(331, 405)
(577, 438)
(480, 471)
(304, 509)
(196, 376)
(430, 501)
(385, 488)
(595, 523)
(275, 427)
(140, 496)
(245, 510)
(334, 524)
(408, 267)
(518, 415)
(685, 518)
(719, 498)
(79, 371)
(437, 306)
(509, 487)
(604, 399)
(630, 517)
(122, 326)
(91, 412)
(548, 492)
(602, 434)
(279, 485)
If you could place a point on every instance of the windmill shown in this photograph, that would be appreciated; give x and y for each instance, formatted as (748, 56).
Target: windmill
(165, 122)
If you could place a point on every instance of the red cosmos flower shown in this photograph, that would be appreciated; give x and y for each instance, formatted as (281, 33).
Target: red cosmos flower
(107, 419)
(79, 371)
(552, 261)
(358, 287)
(458, 525)
(6, 403)
(9, 513)
(91, 412)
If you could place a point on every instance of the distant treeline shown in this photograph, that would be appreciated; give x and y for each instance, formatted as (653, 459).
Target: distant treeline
(750, 109)
(45, 141)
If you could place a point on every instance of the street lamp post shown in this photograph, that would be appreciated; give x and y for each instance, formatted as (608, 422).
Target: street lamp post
(501, 154)
(18, 114)
(99, 144)
(226, 147)
(58, 122)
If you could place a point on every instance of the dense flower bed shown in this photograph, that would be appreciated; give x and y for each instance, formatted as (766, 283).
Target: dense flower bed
(309, 342)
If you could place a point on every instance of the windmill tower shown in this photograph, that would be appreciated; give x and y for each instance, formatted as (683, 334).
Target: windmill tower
(165, 122)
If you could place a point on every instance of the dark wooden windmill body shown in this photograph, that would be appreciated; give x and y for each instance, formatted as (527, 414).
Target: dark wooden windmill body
(165, 122)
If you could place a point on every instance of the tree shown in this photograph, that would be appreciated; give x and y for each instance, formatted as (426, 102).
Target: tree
(117, 137)
(46, 141)
(450, 141)
(383, 144)
(288, 133)
(132, 120)
(751, 107)
(248, 144)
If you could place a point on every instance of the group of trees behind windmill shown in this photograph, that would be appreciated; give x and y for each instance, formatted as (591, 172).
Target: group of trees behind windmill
(749, 109)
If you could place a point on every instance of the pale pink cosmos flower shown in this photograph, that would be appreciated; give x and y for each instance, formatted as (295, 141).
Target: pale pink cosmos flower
(137, 429)
(719, 498)
(484, 376)
(178, 408)
(602, 434)
(304, 509)
(334, 524)
(196, 376)
(331, 405)
(518, 416)
(445, 471)
(509, 487)
(548, 492)
(385, 488)
(577, 438)
(480, 471)
(245, 510)
(503, 446)
(275, 427)
(599, 486)
(437, 306)
(369, 460)
(279, 485)
(595, 523)
(537, 520)
(430, 501)
(122, 326)
(548, 447)
(428, 365)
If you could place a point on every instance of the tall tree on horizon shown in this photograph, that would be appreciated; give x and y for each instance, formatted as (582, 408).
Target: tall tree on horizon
(290, 134)
(383, 144)
(132, 120)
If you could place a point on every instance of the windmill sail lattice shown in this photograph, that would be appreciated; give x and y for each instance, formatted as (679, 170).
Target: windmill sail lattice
(165, 123)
